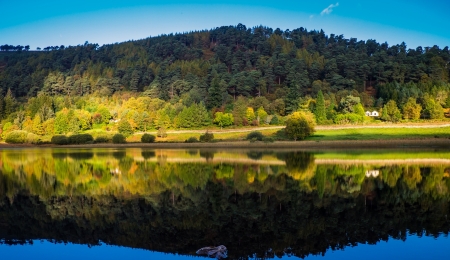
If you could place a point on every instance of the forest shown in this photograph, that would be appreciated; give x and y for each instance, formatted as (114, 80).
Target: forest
(227, 76)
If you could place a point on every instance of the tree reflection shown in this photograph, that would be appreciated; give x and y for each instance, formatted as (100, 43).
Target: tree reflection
(178, 202)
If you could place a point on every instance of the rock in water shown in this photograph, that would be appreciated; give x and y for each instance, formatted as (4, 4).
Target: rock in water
(217, 252)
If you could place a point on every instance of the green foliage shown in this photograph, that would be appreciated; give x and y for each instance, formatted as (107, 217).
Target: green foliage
(81, 139)
(411, 110)
(148, 138)
(320, 110)
(274, 120)
(240, 111)
(170, 76)
(262, 115)
(206, 137)
(16, 137)
(433, 109)
(59, 140)
(300, 125)
(351, 118)
(192, 139)
(9, 103)
(125, 128)
(268, 139)
(194, 116)
(102, 139)
(348, 104)
(61, 122)
(359, 110)
(119, 139)
(255, 136)
(223, 119)
(391, 112)
(250, 115)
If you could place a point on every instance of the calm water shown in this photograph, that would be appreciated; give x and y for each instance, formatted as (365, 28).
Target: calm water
(166, 204)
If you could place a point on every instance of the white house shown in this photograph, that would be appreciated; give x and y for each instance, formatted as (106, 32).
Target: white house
(373, 113)
(373, 173)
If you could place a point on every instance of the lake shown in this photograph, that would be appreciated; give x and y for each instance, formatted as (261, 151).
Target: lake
(166, 204)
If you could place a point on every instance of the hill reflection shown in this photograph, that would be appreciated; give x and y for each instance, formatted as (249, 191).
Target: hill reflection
(262, 204)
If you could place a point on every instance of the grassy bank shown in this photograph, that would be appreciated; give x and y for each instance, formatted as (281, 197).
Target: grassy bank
(331, 134)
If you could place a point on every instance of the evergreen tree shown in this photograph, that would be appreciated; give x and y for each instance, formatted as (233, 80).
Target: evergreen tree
(320, 110)
(9, 102)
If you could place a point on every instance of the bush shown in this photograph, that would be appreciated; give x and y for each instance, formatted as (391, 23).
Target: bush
(162, 132)
(148, 138)
(300, 125)
(60, 140)
(274, 120)
(33, 138)
(350, 118)
(268, 140)
(206, 137)
(80, 139)
(102, 139)
(119, 139)
(17, 137)
(191, 140)
(255, 136)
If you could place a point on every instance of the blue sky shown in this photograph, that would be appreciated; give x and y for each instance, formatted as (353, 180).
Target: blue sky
(49, 23)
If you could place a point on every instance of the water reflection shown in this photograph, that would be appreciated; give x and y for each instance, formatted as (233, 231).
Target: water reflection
(257, 203)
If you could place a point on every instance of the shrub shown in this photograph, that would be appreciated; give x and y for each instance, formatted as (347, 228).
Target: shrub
(102, 139)
(33, 138)
(162, 132)
(80, 139)
(192, 140)
(268, 139)
(300, 125)
(119, 139)
(255, 136)
(350, 118)
(274, 120)
(59, 139)
(16, 137)
(148, 138)
(206, 137)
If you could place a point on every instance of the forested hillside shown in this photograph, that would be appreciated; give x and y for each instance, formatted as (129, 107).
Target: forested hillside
(224, 69)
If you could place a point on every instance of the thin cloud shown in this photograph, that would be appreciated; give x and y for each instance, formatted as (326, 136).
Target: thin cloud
(329, 9)
(311, 16)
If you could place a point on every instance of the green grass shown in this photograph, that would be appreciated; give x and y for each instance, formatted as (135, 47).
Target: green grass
(380, 133)
(367, 133)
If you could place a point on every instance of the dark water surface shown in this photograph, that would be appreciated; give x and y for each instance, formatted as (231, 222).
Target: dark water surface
(166, 204)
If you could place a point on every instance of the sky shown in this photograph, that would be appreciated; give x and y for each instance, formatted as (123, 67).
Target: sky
(55, 23)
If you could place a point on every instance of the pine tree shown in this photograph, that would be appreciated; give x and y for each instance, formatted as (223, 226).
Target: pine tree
(9, 102)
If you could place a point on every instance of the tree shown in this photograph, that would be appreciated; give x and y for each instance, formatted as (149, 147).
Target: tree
(391, 112)
(250, 114)
(320, 110)
(411, 110)
(433, 110)
(348, 103)
(37, 125)
(300, 125)
(223, 119)
(262, 115)
(9, 102)
(61, 121)
(125, 128)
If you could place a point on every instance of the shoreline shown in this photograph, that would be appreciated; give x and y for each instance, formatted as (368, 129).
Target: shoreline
(430, 143)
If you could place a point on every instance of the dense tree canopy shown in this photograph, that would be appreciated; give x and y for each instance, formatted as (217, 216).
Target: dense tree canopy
(204, 72)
